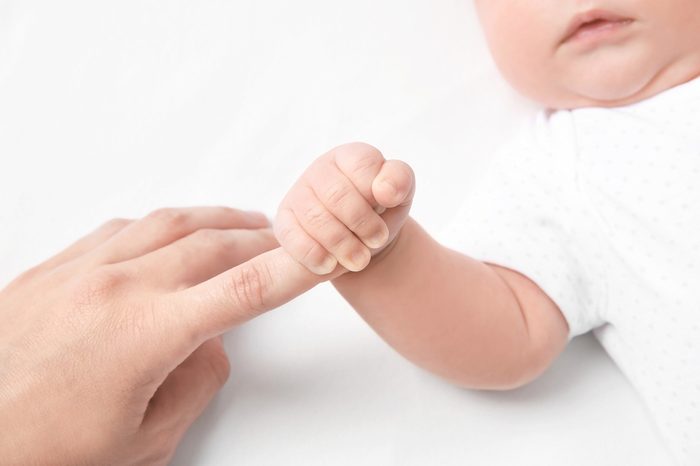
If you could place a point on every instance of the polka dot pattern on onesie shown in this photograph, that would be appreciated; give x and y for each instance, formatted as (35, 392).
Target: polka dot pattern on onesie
(601, 208)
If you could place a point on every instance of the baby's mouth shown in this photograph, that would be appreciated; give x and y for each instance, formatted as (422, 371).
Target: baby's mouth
(593, 25)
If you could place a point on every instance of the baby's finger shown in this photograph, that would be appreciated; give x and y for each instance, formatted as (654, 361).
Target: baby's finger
(300, 245)
(330, 233)
(340, 196)
(360, 163)
(394, 185)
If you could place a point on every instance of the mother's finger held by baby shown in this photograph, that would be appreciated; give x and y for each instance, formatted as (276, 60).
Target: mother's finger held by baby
(212, 307)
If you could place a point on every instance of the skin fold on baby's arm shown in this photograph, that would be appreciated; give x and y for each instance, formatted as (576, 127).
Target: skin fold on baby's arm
(478, 325)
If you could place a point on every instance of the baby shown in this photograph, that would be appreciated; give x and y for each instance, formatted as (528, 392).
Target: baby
(589, 220)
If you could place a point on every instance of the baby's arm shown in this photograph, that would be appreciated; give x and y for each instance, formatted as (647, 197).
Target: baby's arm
(478, 325)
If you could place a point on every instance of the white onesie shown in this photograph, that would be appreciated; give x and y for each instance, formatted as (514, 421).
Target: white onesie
(601, 208)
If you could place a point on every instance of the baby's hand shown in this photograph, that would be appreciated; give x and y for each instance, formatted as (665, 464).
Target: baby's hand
(349, 204)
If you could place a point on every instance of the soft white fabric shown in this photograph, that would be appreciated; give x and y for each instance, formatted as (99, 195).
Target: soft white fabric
(116, 108)
(601, 208)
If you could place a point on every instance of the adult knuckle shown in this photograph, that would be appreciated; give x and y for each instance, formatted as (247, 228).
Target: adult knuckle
(115, 224)
(250, 287)
(98, 286)
(168, 217)
(139, 319)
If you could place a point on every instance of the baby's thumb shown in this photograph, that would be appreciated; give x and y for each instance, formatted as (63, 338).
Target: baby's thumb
(394, 185)
(393, 189)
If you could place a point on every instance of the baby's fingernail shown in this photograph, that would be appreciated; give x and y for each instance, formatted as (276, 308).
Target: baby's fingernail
(391, 188)
(377, 240)
(359, 260)
(389, 185)
(327, 266)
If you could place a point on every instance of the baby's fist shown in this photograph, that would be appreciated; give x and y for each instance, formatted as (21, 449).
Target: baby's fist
(349, 204)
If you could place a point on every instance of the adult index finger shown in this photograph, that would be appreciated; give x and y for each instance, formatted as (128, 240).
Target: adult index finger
(261, 284)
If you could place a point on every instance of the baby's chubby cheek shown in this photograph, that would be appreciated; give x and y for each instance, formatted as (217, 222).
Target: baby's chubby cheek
(562, 78)
(642, 47)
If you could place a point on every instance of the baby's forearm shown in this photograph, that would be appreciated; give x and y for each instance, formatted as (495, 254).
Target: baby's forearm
(450, 314)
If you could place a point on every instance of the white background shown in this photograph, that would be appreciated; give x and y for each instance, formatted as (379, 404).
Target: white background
(116, 108)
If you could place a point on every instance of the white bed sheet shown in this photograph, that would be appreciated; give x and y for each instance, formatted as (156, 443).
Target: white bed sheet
(116, 108)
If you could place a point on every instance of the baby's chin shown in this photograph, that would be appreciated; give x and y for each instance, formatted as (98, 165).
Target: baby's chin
(589, 94)
(608, 92)
(616, 80)
(607, 83)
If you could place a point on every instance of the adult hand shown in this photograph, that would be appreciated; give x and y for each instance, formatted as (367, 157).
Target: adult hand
(110, 349)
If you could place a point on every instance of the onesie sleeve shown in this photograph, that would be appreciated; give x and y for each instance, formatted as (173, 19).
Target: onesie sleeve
(525, 213)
